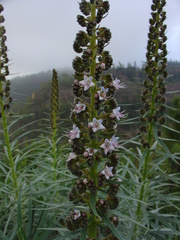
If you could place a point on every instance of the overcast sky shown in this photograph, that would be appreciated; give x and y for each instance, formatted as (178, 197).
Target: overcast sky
(41, 32)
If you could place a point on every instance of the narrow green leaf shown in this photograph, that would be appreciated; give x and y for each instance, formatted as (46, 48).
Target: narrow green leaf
(163, 145)
(171, 129)
(172, 92)
(2, 236)
(20, 231)
(13, 234)
(45, 234)
(40, 223)
(167, 224)
(70, 235)
(114, 230)
(83, 233)
(93, 204)
(157, 236)
(30, 217)
(171, 118)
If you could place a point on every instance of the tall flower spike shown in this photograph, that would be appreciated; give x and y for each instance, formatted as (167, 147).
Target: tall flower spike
(156, 61)
(54, 100)
(152, 113)
(54, 117)
(5, 98)
(92, 158)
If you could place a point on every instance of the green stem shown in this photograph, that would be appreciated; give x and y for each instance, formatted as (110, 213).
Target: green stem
(54, 154)
(93, 66)
(7, 142)
(92, 229)
(150, 141)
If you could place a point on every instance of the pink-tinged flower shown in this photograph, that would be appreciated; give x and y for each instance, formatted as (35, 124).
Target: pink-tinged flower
(79, 107)
(114, 141)
(103, 65)
(76, 214)
(96, 125)
(90, 152)
(89, 51)
(102, 93)
(76, 82)
(114, 218)
(107, 172)
(87, 82)
(117, 114)
(74, 133)
(115, 126)
(72, 156)
(85, 181)
(119, 180)
(116, 83)
(107, 146)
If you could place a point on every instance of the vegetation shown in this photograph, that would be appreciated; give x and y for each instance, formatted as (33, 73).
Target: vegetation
(118, 176)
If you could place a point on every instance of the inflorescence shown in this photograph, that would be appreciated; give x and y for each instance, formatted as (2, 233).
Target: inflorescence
(95, 147)
(154, 87)
(54, 100)
(5, 97)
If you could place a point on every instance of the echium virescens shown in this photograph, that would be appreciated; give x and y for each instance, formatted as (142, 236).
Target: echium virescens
(152, 114)
(94, 155)
(5, 98)
(54, 105)
(153, 94)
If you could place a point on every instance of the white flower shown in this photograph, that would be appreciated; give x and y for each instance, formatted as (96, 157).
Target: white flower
(117, 114)
(102, 93)
(76, 82)
(76, 214)
(119, 180)
(107, 172)
(116, 83)
(107, 146)
(72, 156)
(114, 141)
(96, 125)
(101, 201)
(87, 82)
(85, 181)
(114, 218)
(103, 65)
(90, 152)
(74, 133)
(79, 107)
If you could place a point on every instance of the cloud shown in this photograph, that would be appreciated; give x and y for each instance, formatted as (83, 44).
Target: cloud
(41, 33)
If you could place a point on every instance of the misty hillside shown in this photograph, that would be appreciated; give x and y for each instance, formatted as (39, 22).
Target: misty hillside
(31, 94)
(23, 87)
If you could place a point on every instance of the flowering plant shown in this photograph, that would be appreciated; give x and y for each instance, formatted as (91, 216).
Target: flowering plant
(94, 155)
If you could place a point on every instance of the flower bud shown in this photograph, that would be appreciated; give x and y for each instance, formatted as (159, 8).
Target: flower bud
(85, 7)
(81, 20)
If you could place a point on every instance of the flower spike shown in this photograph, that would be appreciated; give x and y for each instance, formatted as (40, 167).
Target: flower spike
(93, 141)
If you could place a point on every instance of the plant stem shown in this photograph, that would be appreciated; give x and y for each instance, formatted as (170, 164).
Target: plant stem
(7, 142)
(150, 141)
(54, 154)
(92, 229)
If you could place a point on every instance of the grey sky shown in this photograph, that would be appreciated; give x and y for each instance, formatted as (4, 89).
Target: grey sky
(41, 32)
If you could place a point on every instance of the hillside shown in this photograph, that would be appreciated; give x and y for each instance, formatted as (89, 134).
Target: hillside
(31, 93)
